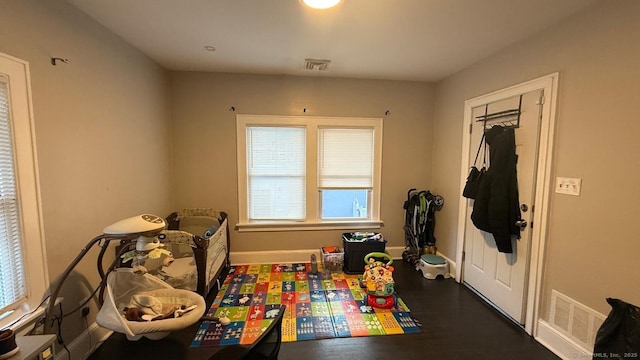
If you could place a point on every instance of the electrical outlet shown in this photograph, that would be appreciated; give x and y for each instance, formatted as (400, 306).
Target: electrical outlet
(568, 186)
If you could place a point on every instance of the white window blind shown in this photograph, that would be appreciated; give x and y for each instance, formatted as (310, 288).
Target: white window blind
(346, 158)
(12, 277)
(276, 173)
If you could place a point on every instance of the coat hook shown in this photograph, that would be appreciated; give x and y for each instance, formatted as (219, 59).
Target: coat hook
(233, 108)
(387, 112)
(304, 110)
(54, 60)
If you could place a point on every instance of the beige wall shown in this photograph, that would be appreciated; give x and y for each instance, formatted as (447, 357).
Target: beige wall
(102, 131)
(205, 148)
(592, 244)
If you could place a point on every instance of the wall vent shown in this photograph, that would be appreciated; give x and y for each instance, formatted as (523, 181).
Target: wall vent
(316, 64)
(575, 320)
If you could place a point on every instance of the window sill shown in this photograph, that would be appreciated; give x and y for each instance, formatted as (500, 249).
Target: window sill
(309, 226)
(22, 318)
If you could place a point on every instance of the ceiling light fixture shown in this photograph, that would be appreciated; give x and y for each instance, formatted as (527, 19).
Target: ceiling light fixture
(321, 4)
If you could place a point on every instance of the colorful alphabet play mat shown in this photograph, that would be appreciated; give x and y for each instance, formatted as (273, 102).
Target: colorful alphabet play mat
(319, 305)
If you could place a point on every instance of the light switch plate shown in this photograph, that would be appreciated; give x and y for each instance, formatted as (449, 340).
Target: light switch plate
(568, 186)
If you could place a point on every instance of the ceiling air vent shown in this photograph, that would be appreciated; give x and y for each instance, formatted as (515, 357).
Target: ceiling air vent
(316, 64)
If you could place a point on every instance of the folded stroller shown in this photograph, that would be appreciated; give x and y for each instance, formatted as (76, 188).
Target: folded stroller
(420, 208)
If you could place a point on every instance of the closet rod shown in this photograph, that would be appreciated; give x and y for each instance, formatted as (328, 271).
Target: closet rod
(498, 115)
(502, 114)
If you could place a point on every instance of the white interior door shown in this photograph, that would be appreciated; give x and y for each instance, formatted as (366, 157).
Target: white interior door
(500, 277)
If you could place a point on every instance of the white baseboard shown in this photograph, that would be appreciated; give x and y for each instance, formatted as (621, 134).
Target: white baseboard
(276, 256)
(453, 270)
(559, 344)
(395, 251)
(304, 255)
(291, 256)
(83, 345)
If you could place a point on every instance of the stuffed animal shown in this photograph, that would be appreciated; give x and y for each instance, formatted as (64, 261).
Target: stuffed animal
(144, 307)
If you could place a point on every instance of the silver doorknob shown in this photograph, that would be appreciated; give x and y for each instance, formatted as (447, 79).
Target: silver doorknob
(522, 224)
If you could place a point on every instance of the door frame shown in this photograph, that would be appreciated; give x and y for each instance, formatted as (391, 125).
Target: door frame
(543, 185)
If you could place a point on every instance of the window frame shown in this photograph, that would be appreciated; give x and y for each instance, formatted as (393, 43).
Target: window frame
(313, 220)
(27, 191)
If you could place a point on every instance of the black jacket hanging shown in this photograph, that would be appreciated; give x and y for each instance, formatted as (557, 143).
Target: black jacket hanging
(497, 208)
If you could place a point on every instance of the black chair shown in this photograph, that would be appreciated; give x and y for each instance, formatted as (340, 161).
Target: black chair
(267, 346)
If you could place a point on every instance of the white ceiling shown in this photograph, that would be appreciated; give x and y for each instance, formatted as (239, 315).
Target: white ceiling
(424, 40)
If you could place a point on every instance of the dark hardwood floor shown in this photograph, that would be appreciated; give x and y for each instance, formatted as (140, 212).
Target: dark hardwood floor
(456, 324)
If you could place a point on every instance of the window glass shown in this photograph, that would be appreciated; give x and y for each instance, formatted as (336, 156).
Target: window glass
(344, 204)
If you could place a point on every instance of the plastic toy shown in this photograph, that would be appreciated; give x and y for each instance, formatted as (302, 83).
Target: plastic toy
(378, 281)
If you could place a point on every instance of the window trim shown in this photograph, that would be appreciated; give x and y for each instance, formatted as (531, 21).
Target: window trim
(313, 219)
(27, 186)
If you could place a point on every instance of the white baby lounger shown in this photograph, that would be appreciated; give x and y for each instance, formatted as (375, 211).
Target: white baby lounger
(123, 284)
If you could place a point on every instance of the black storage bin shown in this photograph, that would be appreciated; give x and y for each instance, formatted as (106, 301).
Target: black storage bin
(357, 246)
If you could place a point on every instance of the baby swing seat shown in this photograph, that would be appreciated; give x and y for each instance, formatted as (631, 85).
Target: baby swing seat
(124, 287)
